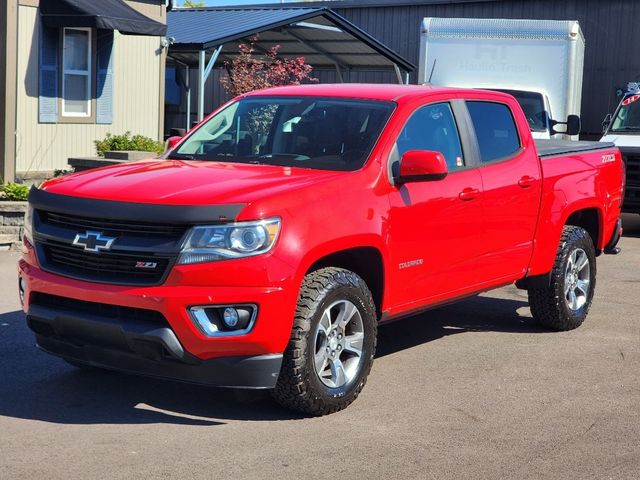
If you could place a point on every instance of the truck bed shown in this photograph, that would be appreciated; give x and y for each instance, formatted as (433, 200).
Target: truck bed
(554, 148)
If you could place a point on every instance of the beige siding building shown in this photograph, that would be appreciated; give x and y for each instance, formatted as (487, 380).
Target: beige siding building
(62, 87)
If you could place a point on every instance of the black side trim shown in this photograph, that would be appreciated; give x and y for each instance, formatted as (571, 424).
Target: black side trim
(89, 207)
(468, 139)
(386, 317)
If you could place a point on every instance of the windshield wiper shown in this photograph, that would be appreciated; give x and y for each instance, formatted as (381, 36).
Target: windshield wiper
(181, 156)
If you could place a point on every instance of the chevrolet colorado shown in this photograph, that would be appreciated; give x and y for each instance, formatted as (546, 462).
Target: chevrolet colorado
(263, 249)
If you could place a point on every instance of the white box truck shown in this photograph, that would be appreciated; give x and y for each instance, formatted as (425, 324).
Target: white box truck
(540, 62)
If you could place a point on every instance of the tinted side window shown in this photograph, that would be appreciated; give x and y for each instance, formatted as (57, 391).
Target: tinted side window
(495, 128)
(433, 127)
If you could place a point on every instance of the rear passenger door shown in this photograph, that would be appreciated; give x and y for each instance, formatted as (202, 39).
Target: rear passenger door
(511, 181)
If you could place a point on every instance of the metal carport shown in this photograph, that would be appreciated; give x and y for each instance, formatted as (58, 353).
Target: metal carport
(201, 37)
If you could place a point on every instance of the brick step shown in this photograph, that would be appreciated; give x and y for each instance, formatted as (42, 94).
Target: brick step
(10, 230)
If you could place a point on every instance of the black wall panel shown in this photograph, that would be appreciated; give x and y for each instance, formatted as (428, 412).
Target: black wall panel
(611, 29)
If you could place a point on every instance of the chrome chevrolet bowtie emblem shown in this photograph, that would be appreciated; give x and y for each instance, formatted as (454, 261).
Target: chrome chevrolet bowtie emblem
(93, 241)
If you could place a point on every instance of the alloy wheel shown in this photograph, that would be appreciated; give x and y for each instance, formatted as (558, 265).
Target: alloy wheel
(338, 344)
(577, 278)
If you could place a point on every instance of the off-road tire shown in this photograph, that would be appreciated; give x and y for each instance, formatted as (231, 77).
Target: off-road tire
(548, 305)
(299, 387)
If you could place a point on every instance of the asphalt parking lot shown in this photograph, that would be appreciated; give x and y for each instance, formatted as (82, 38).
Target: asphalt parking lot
(472, 390)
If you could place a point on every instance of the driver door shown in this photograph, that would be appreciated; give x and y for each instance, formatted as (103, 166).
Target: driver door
(436, 227)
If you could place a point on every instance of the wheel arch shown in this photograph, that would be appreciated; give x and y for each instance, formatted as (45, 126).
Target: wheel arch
(584, 215)
(591, 219)
(365, 261)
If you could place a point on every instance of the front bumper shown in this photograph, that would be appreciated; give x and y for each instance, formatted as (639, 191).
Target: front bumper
(144, 347)
(169, 345)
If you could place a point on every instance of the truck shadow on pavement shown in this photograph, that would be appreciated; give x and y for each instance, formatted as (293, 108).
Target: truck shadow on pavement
(476, 314)
(36, 386)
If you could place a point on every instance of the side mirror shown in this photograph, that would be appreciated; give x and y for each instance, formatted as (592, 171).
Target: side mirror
(177, 132)
(573, 125)
(172, 142)
(422, 166)
(606, 122)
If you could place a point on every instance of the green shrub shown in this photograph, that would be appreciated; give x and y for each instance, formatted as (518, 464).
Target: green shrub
(138, 143)
(14, 192)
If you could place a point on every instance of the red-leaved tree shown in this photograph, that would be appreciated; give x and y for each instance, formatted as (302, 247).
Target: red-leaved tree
(248, 72)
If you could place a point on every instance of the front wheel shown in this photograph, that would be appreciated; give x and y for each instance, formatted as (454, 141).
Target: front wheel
(565, 303)
(332, 344)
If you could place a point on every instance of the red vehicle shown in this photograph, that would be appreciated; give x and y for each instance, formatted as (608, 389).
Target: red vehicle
(265, 247)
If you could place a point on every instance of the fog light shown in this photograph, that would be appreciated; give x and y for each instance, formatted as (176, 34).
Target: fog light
(230, 317)
(224, 320)
(21, 289)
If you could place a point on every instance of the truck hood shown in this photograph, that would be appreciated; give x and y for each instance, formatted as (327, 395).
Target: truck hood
(626, 140)
(177, 182)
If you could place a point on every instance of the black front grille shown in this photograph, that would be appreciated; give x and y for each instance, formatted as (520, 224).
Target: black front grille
(104, 267)
(116, 228)
(101, 310)
(632, 192)
(142, 253)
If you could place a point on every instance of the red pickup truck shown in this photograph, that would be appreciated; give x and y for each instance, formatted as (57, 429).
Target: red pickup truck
(265, 247)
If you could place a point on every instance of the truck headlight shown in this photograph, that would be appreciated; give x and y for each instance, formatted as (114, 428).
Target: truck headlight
(211, 243)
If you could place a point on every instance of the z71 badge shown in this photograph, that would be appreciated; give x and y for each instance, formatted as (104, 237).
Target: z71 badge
(610, 157)
(146, 265)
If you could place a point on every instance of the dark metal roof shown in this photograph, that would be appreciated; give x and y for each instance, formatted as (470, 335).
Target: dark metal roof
(337, 4)
(204, 28)
(105, 14)
(320, 35)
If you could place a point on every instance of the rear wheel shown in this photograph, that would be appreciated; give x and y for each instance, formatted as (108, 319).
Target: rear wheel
(332, 344)
(565, 303)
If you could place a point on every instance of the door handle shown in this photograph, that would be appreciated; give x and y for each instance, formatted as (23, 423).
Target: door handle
(526, 181)
(468, 194)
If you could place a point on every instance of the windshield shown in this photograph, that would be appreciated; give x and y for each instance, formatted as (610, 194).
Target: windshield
(308, 132)
(627, 118)
(532, 104)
